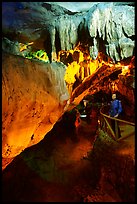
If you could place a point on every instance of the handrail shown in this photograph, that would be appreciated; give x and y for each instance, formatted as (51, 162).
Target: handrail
(114, 134)
(113, 118)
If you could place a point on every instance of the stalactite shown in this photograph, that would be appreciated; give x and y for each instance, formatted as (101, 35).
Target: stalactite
(53, 45)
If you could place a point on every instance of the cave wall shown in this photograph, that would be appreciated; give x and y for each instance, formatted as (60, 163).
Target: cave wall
(34, 96)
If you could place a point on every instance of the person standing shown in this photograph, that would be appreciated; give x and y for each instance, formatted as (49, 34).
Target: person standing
(114, 111)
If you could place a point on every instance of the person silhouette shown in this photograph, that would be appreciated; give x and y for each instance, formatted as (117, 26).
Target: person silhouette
(114, 111)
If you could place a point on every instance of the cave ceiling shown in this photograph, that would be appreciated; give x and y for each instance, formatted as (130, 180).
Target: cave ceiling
(100, 27)
(56, 28)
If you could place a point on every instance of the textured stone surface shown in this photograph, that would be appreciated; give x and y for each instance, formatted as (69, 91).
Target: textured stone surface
(59, 169)
(55, 28)
(34, 96)
(34, 93)
(115, 25)
(116, 160)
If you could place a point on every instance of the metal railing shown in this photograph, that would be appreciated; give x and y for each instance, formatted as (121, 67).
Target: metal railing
(105, 125)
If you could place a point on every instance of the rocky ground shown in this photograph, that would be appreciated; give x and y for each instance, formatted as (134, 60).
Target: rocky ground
(61, 168)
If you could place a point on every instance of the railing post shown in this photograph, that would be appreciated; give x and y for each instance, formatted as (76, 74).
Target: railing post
(105, 122)
(109, 126)
(116, 129)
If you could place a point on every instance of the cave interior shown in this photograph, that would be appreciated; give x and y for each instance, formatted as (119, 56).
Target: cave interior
(59, 68)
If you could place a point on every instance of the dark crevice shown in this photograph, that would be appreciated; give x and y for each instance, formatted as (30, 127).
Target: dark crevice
(83, 33)
(57, 42)
(114, 75)
(131, 37)
(47, 45)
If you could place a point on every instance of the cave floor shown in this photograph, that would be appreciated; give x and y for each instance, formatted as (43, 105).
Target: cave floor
(57, 170)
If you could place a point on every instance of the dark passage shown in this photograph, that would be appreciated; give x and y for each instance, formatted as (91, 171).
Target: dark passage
(69, 166)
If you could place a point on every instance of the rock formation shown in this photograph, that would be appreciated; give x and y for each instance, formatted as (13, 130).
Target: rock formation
(34, 96)
(55, 28)
(34, 93)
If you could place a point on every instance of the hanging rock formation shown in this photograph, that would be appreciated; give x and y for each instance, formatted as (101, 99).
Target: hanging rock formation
(108, 26)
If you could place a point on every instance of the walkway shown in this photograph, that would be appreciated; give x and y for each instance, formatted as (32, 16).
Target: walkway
(56, 170)
(127, 128)
(127, 132)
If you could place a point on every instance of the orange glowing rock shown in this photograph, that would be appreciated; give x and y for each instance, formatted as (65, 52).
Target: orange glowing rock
(34, 96)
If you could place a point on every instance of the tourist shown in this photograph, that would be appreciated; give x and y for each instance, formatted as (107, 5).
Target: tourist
(115, 111)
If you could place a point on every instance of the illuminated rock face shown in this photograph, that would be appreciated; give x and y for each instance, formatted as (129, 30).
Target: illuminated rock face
(34, 93)
(34, 96)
